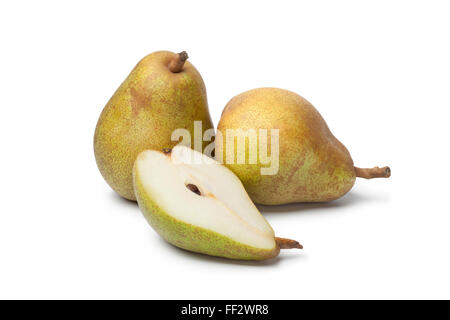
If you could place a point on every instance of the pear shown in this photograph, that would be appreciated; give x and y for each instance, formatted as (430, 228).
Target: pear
(313, 165)
(197, 204)
(162, 93)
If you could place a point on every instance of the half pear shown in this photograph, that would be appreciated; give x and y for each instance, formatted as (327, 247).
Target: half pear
(197, 204)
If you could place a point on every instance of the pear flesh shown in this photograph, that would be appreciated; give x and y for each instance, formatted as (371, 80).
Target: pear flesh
(164, 92)
(199, 205)
(314, 166)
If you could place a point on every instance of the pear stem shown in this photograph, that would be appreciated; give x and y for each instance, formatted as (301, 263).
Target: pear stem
(177, 63)
(284, 243)
(369, 173)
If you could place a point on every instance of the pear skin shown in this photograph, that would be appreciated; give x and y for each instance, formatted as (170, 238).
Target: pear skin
(314, 166)
(162, 93)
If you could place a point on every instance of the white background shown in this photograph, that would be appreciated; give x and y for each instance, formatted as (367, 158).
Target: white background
(378, 71)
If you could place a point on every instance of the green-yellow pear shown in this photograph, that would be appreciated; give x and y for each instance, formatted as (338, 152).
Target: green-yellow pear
(313, 166)
(199, 205)
(164, 92)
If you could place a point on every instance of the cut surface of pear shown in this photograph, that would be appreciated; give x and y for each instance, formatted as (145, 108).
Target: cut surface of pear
(197, 204)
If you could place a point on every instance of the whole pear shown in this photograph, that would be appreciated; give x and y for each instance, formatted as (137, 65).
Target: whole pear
(162, 93)
(314, 166)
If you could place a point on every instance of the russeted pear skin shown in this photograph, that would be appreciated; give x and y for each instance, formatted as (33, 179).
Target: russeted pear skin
(186, 235)
(314, 166)
(162, 93)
